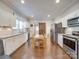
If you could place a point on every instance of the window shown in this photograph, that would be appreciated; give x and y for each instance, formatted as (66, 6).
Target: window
(20, 24)
(17, 25)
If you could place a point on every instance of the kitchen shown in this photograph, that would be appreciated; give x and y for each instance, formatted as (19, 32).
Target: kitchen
(14, 27)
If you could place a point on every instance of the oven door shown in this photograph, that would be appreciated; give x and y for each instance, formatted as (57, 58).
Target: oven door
(70, 44)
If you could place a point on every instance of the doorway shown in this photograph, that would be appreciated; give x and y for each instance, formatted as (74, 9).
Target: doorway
(42, 28)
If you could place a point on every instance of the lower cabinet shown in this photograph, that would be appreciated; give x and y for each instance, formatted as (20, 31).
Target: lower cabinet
(13, 43)
(60, 40)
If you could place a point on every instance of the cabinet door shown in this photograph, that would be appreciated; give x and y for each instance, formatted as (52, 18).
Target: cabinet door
(4, 18)
(8, 46)
(21, 39)
(60, 40)
(13, 20)
(7, 18)
(64, 22)
(25, 37)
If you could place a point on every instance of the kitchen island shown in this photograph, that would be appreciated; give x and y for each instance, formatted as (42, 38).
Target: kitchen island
(12, 41)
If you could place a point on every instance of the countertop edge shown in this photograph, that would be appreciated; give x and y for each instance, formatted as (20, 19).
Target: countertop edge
(9, 36)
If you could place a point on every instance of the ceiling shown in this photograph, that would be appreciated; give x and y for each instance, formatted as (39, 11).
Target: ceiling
(40, 8)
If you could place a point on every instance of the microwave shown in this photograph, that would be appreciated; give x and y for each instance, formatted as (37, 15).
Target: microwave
(74, 22)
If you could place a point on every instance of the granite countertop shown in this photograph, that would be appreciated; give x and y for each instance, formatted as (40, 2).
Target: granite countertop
(8, 35)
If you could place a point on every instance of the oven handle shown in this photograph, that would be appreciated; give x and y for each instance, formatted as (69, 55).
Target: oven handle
(70, 38)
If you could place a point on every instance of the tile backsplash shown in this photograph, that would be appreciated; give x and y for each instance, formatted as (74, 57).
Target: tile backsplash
(69, 30)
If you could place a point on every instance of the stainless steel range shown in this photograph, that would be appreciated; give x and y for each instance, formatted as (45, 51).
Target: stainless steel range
(71, 44)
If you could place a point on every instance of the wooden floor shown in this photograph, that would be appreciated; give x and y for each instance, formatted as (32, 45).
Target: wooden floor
(51, 51)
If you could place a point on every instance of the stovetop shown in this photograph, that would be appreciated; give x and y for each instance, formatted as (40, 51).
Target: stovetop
(76, 33)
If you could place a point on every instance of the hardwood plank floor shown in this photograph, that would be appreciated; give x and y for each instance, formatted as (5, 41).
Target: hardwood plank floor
(51, 51)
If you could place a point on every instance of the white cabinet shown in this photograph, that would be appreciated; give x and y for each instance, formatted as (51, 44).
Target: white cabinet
(7, 18)
(60, 40)
(13, 20)
(13, 43)
(64, 22)
(4, 18)
(8, 45)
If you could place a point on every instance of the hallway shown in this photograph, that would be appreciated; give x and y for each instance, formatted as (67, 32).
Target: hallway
(51, 51)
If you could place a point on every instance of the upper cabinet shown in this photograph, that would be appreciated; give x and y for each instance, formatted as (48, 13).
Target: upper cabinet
(7, 19)
(64, 22)
(6, 16)
(13, 20)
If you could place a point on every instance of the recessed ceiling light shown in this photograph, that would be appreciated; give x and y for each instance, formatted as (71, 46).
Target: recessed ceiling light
(22, 1)
(57, 1)
(32, 16)
(48, 15)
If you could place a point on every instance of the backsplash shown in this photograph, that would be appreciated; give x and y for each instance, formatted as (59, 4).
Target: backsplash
(5, 31)
(69, 30)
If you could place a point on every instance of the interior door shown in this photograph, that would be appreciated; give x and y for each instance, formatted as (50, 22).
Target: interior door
(42, 28)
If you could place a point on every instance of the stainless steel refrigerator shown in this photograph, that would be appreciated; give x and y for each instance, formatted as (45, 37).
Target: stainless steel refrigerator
(55, 29)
